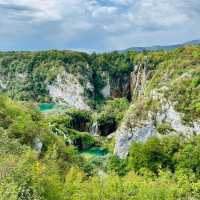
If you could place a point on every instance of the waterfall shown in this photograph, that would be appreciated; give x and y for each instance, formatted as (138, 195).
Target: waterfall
(94, 128)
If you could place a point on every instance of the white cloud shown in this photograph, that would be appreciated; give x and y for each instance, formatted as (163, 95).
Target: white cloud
(63, 23)
(101, 12)
(35, 10)
(160, 13)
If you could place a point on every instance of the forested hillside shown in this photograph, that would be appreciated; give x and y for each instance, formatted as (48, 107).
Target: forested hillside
(42, 76)
(111, 126)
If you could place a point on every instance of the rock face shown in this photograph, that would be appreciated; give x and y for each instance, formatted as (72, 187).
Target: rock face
(125, 136)
(38, 145)
(120, 87)
(106, 91)
(172, 117)
(115, 87)
(67, 89)
(6, 81)
(3, 85)
(139, 80)
(129, 132)
(133, 130)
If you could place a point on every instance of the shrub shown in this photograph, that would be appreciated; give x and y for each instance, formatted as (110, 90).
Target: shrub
(82, 140)
(154, 154)
(111, 114)
(116, 165)
(80, 119)
(164, 128)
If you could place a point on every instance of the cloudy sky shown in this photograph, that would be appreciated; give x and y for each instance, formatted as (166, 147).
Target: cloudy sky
(96, 25)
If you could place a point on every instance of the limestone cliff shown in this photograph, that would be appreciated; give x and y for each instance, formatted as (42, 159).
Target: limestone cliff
(163, 87)
(66, 89)
(165, 100)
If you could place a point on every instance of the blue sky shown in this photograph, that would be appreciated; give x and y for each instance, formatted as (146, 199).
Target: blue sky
(96, 25)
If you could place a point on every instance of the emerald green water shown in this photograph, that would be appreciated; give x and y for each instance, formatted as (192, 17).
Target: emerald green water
(88, 153)
(46, 106)
(94, 152)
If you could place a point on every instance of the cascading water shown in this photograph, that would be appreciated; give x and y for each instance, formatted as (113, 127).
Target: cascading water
(94, 129)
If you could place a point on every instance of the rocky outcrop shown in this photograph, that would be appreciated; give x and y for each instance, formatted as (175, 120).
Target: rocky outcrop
(125, 136)
(174, 118)
(133, 129)
(17, 78)
(106, 91)
(11, 80)
(139, 80)
(169, 115)
(37, 145)
(3, 85)
(67, 89)
(117, 86)
(120, 87)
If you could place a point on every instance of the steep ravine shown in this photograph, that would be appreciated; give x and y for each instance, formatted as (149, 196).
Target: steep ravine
(162, 88)
(165, 102)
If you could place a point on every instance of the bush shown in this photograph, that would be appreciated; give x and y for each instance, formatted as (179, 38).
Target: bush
(116, 165)
(164, 128)
(82, 140)
(188, 156)
(80, 119)
(154, 154)
(111, 115)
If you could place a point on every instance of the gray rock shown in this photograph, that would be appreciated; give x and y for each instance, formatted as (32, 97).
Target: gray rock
(3, 85)
(106, 91)
(125, 136)
(174, 118)
(196, 126)
(38, 145)
(68, 90)
(139, 79)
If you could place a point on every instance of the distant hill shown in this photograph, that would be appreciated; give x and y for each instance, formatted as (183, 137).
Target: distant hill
(159, 48)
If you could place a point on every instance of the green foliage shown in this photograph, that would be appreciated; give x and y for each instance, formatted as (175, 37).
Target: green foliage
(80, 119)
(165, 168)
(177, 79)
(28, 174)
(73, 126)
(114, 66)
(82, 140)
(111, 115)
(115, 63)
(116, 165)
(21, 122)
(170, 152)
(91, 167)
(154, 154)
(187, 95)
(164, 128)
(60, 122)
(72, 118)
(30, 73)
(187, 157)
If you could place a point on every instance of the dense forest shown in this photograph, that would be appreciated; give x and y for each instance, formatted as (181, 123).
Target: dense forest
(41, 68)
(42, 153)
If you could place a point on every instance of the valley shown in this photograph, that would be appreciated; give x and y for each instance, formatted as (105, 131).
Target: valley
(110, 126)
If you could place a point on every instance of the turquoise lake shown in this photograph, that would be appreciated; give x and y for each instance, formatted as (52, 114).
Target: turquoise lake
(46, 106)
(94, 152)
